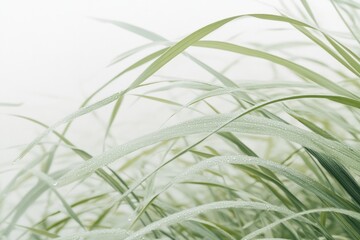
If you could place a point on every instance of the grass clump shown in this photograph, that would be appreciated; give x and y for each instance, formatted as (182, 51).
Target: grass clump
(276, 157)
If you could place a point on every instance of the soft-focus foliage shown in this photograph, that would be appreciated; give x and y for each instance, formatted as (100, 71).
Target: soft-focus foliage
(276, 155)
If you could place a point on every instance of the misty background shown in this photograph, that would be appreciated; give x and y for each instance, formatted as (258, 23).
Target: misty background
(53, 54)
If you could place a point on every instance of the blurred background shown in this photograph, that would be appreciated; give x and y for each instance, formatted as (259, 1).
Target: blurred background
(53, 54)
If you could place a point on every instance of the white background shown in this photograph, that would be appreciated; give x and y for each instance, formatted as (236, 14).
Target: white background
(53, 54)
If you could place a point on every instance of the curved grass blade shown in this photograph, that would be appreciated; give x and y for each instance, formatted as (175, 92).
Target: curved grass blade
(305, 72)
(180, 130)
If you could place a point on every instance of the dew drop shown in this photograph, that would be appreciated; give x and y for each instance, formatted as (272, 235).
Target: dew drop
(267, 208)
